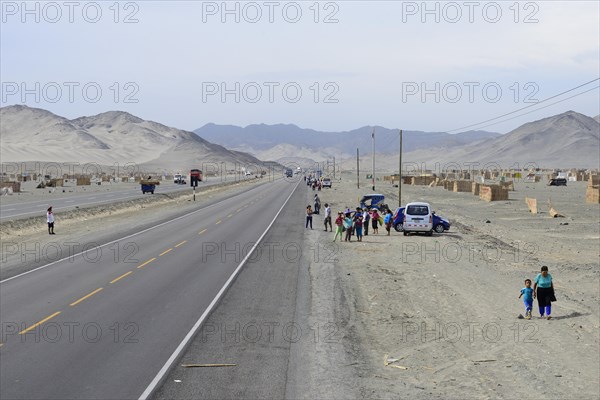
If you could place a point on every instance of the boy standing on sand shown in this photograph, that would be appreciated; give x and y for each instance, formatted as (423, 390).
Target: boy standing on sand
(527, 293)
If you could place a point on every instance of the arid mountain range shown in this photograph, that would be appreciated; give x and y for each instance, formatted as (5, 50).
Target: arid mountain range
(566, 140)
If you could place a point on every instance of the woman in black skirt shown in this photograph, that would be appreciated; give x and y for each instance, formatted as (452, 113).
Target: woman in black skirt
(543, 289)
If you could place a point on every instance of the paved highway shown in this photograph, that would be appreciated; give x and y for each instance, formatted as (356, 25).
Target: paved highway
(105, 324)
(62, 202)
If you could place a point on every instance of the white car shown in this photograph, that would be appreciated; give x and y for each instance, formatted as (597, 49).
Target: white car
(327, 183)
(418, 218)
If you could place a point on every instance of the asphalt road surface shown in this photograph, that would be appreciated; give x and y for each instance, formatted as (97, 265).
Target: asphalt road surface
(107, 324)
(68, 201)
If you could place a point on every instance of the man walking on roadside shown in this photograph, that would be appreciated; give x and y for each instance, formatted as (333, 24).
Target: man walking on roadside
(328, 218)
(50, 219)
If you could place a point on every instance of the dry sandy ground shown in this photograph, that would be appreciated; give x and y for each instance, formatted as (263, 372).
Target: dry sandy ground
(444, 309)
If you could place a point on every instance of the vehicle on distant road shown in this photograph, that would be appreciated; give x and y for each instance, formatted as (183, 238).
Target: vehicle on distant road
(557, 182)
(149, 185)
(195, 177)
(327, 183)
(179, 179)
(440, 224)
(289, 173)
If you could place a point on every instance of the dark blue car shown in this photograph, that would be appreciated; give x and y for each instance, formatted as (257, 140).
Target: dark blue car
(440, 224)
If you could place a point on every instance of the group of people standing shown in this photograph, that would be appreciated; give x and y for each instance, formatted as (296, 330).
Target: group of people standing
(357, 223)
(313, 182)
(350, 222)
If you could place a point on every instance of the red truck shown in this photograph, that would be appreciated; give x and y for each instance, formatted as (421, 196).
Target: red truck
(195, 177)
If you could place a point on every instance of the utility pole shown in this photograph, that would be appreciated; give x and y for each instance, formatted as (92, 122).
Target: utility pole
(333, 167)
(373, 155)
(357, 171)
(400, 173)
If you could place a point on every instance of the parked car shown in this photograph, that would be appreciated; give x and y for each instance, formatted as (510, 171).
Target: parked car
(370, 201)
(418, 218)
(557, 182)
(440, 224)
(327, 183)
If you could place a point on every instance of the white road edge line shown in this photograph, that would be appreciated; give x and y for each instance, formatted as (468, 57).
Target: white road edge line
(127, 237)
(157, 379)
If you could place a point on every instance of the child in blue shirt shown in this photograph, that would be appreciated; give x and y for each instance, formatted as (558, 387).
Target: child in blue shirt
(527, 293)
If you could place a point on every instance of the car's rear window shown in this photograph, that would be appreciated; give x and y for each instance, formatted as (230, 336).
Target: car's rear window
(417, 210)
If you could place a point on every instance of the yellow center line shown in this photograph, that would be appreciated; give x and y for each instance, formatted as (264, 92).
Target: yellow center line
(165, 252)
(202, 231)
(121, 277)
(147, 262)
(230, 215)
(39, 323)
(179, 244)
(218, 222)
(238, 210)
(85, 297)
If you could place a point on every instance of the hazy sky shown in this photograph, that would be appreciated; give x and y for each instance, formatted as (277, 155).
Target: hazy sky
(434, 66)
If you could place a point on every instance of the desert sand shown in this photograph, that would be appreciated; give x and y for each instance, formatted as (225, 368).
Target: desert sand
(442, 312)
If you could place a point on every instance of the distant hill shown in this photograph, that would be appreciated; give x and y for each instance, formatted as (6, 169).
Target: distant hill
(32, 134)
(569, 139)
(597, 118)
(259, 138)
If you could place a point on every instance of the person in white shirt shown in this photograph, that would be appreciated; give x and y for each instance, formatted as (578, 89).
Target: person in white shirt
(366, 218)
(50, 219)
(328, 218)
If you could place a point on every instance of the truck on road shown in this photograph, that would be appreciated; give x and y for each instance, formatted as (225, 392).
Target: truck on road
(179, 179)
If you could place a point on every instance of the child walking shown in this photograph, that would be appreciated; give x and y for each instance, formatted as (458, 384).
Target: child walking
(527, 293)
(358, 227)
(339, 226)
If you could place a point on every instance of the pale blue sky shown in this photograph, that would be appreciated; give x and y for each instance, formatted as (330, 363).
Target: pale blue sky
(374, 52)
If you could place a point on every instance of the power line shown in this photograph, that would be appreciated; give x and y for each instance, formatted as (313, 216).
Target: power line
(523, 108)
(541, 108)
